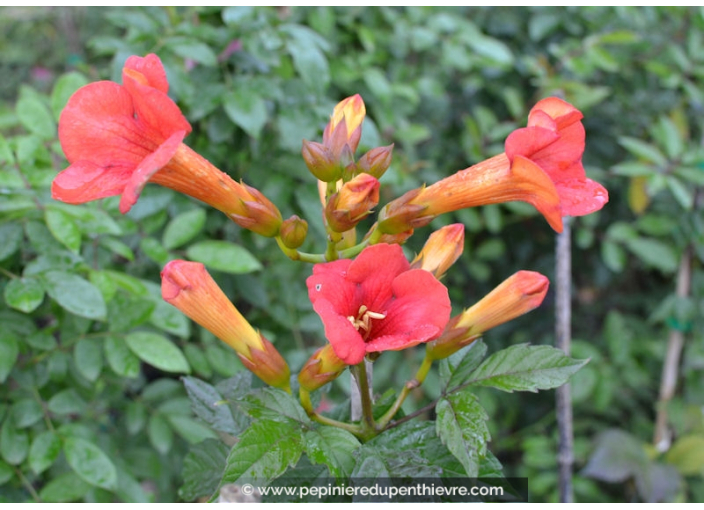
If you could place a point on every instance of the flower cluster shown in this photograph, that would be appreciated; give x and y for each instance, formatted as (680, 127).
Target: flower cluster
(117, 138)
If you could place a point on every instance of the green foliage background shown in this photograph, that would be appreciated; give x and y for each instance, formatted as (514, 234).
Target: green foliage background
(91, 406)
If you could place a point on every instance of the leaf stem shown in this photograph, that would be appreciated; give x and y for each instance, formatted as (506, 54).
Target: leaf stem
(304, 396)
(414, 383)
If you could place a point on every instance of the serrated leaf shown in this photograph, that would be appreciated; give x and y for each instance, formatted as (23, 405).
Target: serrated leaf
(455, 369)
(183, 228)
(88, 357)
(63, 228)
(333, 447)
(75, 294)
(247, 109)
(202, 469)
(35, 116)
(9, 351)
(210, 406)
(275, 405)
(158, 351)
(461, 425)
(264, 452)
(224, 256)
(122, 361)
(44, 451)
(526, 368)
(90, 463)
(14, 443)
(161, 436)
(64, 488)
(380, 463)
(24, 294)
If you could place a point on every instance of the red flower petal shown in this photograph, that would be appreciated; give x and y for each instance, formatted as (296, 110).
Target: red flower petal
(415, 306)
(151, 68)
(148, 167)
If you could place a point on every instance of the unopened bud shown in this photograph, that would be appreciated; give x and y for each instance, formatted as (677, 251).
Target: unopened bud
(403, 214)
(293, 232)
(345, 126)
(441, 250)
(376, 161)
(324, 366)
(320, 161)
(518, 294)
(352, 203)
(260, 215)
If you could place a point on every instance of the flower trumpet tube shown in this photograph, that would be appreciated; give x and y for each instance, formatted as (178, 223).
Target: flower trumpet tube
(322, 367)
(189, 287)
(352, 203)
(554, 141)
(493, 181)
(515, 296)
(119, 137)
(441, 250)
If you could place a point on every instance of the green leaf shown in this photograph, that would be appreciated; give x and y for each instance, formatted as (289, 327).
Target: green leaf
(11, 235)
(643, 150)
(617, 457)
(6, 472)
(44, 451)
(224, 256)
(687, 455)
(88, 356)
(135, 417)
(308, 59)
(170, 319)
(275, 405)
(158, 351)
(14, 444)
(35, 116)
(379, 462)
(64, 488)
(9, 351)
(461, 425)
(526, 368)
(264, 452)
(65, 87)
(456, 369)
(24, 294)
(117, 247)
(183, 228)
(75, 294)
(247, 109)
(120, 358)
(682, 193)
(63, 228)
(614, 256)
(193, 50)
(202, 469)
(66, 402)
(127, 312)
(210, 406)
(333, 447)
(161, 436)
(26, 412)
(154, 250)
(90, 463)
(189, 429)
(654, 253)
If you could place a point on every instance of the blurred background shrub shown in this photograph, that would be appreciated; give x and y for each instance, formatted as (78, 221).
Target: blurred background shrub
(91, 406)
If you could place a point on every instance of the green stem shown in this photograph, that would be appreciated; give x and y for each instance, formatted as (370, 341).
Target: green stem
(421, 374)
(28, 485)
(304, 396)
(360, 372)
(299, 255)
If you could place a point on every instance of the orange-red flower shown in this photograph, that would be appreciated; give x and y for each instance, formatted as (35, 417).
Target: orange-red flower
(377, 303)
(554, 142)
(119, 137)
(518, 294)
(189, 287)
